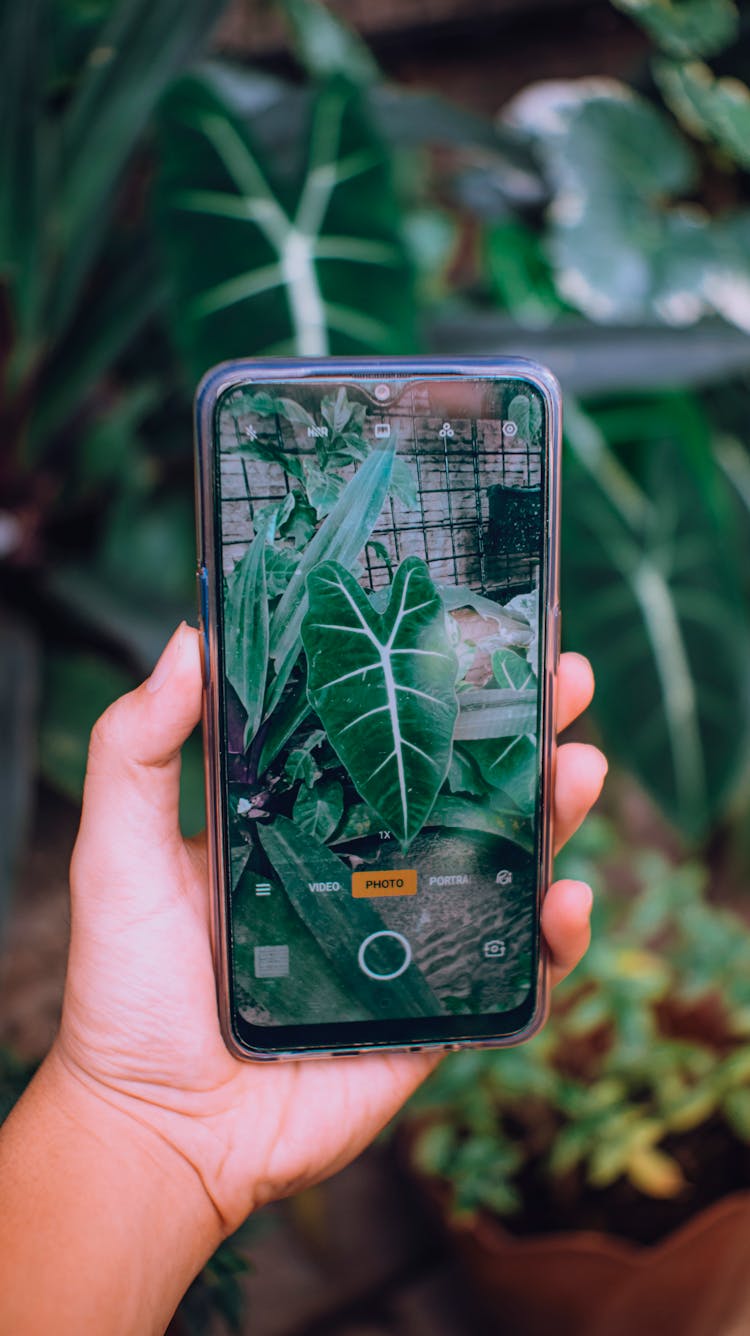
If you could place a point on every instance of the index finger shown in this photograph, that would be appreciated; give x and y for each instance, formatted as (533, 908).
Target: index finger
(575, 688)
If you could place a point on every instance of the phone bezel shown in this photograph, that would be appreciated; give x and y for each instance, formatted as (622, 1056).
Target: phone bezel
(347, 1037)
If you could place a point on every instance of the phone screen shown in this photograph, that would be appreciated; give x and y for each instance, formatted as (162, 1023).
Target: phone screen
(381, 621)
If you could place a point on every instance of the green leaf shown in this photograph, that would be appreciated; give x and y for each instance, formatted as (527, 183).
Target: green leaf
(360, 821)
(737, 1111)
(511, 671)
(341, 537)
(247, 635)
(138, 52)
(284, 722)
(105, 324)
(280, 567)
(619, 252)
(650, 595)
(270, 519)
(463, 814)
(25, 164)
(511, 766)
(299, 765)
(326, 46)
(487, 713)
(337, 410)
(404, 485)
(294, 412)
(519, 274)
(708, 107)
(463, 775)
(686, 28)
(323, 488)
(319, 809)
(390, 714)
(338, 922)
(264, 264)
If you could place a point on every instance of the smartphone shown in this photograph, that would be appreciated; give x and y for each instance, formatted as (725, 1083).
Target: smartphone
(378, 577)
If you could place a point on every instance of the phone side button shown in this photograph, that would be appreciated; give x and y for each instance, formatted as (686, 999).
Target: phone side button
(556, 636)
(202, 580)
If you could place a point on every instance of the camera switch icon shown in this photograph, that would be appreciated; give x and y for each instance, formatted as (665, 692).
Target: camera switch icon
(494, 949)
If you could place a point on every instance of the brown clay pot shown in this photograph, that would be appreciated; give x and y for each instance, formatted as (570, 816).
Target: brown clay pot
(583, 1283)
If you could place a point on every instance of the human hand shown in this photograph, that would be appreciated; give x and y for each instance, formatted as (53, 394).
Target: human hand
(140, 1030)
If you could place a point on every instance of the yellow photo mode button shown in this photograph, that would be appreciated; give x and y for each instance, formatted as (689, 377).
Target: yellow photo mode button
(369, 884)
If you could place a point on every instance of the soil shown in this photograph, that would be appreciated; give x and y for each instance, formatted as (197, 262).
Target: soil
(713, 1161)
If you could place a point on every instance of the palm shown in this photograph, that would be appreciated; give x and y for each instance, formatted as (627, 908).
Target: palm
(140, 1022)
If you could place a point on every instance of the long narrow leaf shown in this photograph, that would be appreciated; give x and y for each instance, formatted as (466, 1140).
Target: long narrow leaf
(652, 599)
(340, 923)
(503, 713)
(23, 162)
(139, 50)
(341, 537)
(246, 619)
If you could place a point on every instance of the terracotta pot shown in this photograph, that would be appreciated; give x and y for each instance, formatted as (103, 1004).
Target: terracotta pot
(582, 1283)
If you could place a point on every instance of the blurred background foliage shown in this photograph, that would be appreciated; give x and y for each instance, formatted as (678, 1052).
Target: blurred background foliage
(162, 210)
(166, 204)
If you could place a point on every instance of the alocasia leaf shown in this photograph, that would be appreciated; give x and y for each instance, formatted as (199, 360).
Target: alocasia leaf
(510, 670)
(383, 686)
(510, 766)
(319, 808)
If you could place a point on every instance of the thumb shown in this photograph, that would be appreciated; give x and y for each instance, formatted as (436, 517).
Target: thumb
(131, 793)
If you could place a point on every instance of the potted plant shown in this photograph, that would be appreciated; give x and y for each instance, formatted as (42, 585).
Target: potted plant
(603, 1167)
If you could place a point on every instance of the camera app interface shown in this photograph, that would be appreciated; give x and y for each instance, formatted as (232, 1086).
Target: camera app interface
(382, 547)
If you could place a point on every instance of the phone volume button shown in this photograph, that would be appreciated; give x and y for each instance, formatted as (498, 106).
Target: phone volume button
(202, 581)
(557, 635)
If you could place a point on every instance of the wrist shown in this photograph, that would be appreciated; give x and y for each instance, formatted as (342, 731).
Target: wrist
(122, 1217)
(128, 1129)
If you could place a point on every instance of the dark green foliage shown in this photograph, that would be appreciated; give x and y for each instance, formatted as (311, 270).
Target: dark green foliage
(652, 596)
(338, 925)
(264, 264)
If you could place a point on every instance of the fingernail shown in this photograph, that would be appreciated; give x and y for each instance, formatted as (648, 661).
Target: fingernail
(167, 661)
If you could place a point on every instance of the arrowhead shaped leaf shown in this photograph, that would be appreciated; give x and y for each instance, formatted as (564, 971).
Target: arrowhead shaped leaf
(264, 262)
(383, 686)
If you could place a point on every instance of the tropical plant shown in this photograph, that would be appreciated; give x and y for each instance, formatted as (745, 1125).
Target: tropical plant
(357, 713)
(648, 1044)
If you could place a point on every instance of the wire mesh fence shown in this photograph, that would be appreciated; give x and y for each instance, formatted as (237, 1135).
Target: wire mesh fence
(477, 483)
